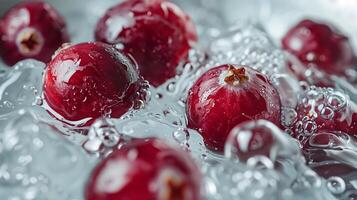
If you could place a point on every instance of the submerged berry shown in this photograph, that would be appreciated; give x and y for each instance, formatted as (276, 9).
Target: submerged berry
(256, 139)
(145, 169)
(319, 45)
(324, 109)
(90, 80)
(31, 30)
(226, 96)
(157, 33)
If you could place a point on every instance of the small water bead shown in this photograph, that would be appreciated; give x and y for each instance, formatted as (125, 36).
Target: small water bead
(336, 185)
(158, 95)
(171, 87)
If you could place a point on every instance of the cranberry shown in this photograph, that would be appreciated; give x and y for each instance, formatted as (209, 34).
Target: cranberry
(256, 138)
(90, 80)
(323, 152)
(319, 45)
(31, 29)
(157, 33)
(226, 96)
(324, 109)
(145, 169)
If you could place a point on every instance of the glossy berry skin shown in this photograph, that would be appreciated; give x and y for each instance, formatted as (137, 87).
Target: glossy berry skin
(227, 95)
(32, 29)
(319, 45)
(90, 80)
(145, 169)
(324, 109)
(157, 33)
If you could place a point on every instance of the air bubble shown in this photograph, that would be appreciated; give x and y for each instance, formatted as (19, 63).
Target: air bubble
(336, 101)
(171, 87)
(310, 127)
(336, 185)
(327, 113)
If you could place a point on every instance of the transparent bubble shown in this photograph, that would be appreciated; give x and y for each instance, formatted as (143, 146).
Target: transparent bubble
(336, 185)
(336, 101)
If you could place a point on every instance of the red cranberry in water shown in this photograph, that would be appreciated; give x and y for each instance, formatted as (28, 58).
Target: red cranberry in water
(226, 96)
(157, 33)
(319, 45)
(145, 169)
(326, 153)
(90, 80)
(32, 29)
(258, 139)
(324, 109)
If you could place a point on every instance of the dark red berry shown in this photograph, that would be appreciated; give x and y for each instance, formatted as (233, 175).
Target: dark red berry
(319, 45)
(324, 109)
(32, 29)
(157, 33)
(90, 80)
(323, 152)
(255, 138)
(145, 169)
(226, 96)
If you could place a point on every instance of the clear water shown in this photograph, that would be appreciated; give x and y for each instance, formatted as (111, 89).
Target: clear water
(40, 158)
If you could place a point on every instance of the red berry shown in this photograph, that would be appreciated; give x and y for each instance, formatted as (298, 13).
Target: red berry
(145, 169)
(325, 152)
(31, 30)
(256, 138)
(319, 45)
(157, 33)
(324, 109)
(226, 96)
(90, 80)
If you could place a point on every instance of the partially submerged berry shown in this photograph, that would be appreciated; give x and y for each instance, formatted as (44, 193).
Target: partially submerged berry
(157, 33)
(320, 46)
(228, 95)
(90, 80)
(31, 30)
(145, 169)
